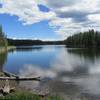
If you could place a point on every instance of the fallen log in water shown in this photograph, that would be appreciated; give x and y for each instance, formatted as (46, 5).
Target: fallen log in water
(20, 78)
(9, 74)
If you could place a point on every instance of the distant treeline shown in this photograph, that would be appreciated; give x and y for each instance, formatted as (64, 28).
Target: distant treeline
(3, 41)
(17, 42)
(26, 42)
(90, 38)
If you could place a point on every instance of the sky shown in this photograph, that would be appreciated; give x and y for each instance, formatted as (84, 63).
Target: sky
(48, 19)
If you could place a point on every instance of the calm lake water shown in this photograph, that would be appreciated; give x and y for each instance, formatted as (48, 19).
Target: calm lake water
(64, 71)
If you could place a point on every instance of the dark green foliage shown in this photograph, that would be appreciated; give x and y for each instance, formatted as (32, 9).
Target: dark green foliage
(85, 39)
(3, 41)
(27, 42)
(3, 58)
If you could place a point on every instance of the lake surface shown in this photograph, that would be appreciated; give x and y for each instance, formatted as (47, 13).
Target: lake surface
(69, 72)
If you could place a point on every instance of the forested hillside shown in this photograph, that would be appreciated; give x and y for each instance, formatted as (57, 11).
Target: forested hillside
(90, 38)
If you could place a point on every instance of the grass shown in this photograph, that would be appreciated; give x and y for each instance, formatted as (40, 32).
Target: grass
(2, 74)
(2, 49)
(26, 96)
(20, 96)
(11, 47)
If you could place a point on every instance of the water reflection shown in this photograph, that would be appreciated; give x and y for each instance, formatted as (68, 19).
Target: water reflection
(69, 72)
(79, 68)
(3, 58)
(29, 48)
(91, 54)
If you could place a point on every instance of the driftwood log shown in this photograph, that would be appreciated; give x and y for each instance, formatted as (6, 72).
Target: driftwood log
(7, 89)
(11, 76)
(20, 78)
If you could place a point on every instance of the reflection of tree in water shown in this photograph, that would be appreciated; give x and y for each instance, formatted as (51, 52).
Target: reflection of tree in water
(91, 54)
(27, 48)
(3, 57)
(76, 72)
(88, 56)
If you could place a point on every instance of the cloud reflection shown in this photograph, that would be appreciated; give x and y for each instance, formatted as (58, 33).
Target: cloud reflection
(36, 71)
(68, 67)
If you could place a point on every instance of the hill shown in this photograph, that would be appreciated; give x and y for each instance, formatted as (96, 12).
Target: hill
(90, 38)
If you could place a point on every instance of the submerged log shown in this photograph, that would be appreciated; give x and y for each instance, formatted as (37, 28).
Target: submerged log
(6, 89)
(20, 78)
(9, 74)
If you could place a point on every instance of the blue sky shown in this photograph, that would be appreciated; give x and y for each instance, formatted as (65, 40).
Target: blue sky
(48, 19)
(15, 29)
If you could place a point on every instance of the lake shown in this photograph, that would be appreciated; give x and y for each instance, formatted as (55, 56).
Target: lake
(69, 72)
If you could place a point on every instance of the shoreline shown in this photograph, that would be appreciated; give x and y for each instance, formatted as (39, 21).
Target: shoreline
(11, 47)
(3, 49)
(23, 94)
(8, 48)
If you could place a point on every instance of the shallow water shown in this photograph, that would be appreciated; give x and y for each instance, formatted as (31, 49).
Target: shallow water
(70, 72)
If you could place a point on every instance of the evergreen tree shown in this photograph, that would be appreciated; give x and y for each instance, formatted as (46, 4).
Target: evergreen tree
(3, 41)
(90, 38)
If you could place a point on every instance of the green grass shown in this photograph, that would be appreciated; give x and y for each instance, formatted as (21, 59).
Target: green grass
(26, 96)
(2, 74)
(56, 97)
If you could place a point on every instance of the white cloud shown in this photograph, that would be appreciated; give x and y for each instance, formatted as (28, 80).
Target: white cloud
(75, 17)
(94, 17)
(64, 26)
(66, 17)
(32, 70)
(27, 10)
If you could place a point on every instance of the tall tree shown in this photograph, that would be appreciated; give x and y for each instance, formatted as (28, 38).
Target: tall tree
(3, 41)
(90, 38)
